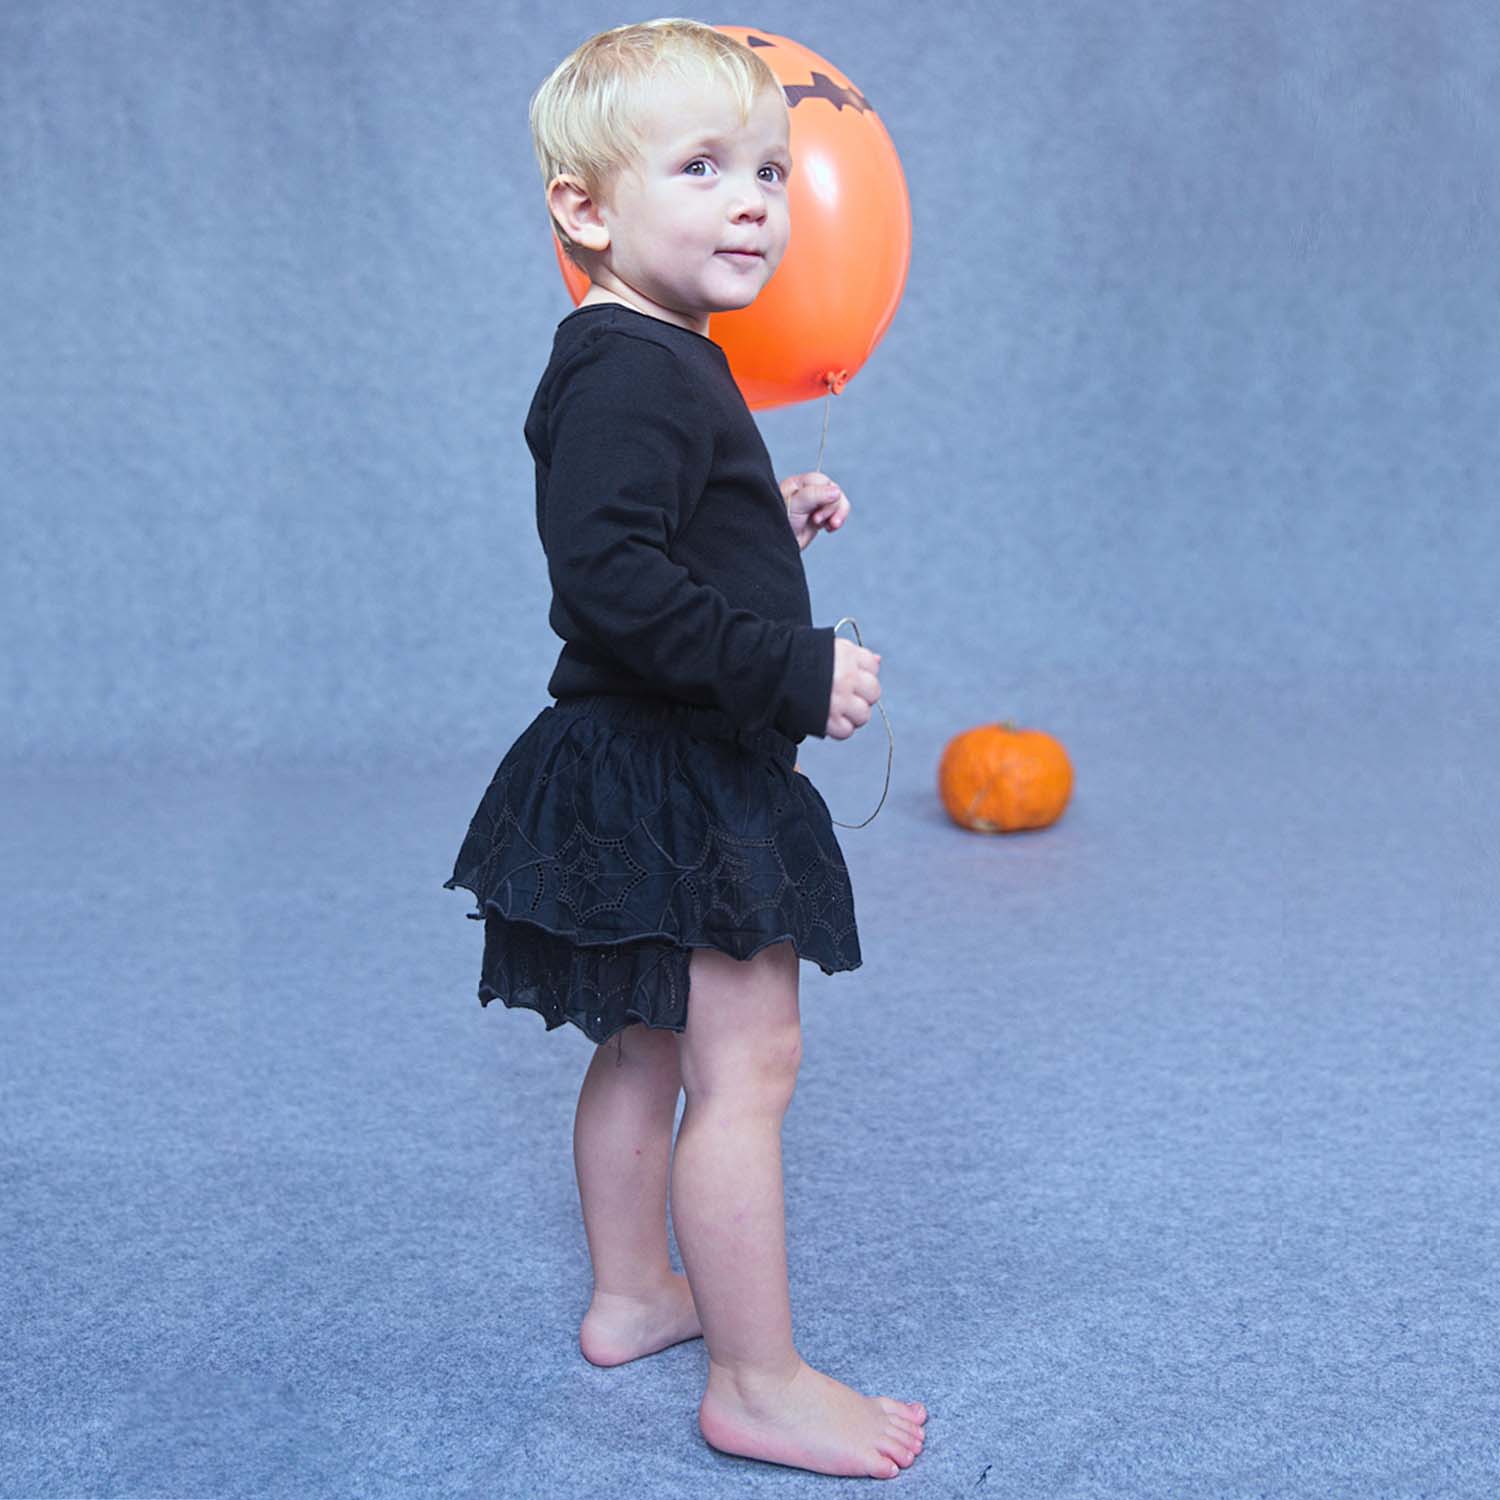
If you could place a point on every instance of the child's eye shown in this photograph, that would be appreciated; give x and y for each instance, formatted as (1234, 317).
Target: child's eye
(697, 160)
(776, 167)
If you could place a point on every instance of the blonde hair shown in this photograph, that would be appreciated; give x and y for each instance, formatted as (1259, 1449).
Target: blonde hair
(584, 116)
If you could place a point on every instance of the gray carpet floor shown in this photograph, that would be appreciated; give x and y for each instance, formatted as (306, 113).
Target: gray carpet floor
(1154, 1152)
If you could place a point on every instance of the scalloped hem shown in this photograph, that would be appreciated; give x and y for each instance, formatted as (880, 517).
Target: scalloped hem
(600, 986)
(551, 1023)
(572, 935)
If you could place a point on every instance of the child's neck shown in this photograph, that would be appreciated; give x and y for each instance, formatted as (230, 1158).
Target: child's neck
(597, 294)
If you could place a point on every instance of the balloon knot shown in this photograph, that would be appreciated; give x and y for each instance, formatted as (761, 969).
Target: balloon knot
(836, 380)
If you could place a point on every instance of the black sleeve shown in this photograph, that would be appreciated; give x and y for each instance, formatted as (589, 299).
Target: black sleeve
(631, 448)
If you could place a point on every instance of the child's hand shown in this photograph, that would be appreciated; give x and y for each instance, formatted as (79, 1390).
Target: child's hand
(856, 688)
(813, 501)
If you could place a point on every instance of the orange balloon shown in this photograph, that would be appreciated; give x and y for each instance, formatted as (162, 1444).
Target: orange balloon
(837, 288)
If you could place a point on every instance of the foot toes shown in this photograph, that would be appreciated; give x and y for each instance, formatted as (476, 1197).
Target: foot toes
(913, 1411)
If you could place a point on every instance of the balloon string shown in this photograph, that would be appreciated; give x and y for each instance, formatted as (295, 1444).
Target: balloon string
(827, 407)
(890, 752)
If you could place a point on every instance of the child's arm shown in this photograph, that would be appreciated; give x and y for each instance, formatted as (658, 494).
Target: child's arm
(631, 448)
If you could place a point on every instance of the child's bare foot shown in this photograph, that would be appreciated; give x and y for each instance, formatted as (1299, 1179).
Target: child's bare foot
(812, 1421)
(618, 1329)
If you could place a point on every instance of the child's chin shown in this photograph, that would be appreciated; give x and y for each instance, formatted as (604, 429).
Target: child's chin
(734, 303)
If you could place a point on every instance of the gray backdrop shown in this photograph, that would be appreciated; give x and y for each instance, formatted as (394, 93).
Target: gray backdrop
(1153, 1151)
(1194, 372)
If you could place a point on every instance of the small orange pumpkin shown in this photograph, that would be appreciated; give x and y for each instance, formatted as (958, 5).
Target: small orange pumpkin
(996, 778)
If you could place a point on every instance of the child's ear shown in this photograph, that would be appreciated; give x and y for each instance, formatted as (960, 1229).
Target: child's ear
(569, 203)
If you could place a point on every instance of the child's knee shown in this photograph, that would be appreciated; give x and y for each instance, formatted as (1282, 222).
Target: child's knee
(758, 1072)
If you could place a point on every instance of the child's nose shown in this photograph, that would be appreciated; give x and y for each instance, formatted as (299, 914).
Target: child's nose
(752, 197)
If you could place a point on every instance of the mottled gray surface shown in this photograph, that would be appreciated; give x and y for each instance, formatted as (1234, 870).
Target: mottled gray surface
(1153, 1151)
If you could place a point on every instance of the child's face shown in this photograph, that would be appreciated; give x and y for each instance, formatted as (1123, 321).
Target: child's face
(707, 187)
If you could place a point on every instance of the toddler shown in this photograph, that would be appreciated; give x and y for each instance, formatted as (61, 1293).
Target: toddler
(647, 857)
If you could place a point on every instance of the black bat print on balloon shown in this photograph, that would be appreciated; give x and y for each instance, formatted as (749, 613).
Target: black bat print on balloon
(822, 87)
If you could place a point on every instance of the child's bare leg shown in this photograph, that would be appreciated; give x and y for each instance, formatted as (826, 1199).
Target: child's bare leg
(622, 1148)
(740, 1055)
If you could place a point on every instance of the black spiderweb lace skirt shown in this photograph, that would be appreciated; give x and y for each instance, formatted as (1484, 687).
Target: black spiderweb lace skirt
(618, 834)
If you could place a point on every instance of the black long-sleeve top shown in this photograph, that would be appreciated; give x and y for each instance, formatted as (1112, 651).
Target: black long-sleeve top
(673, 566)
